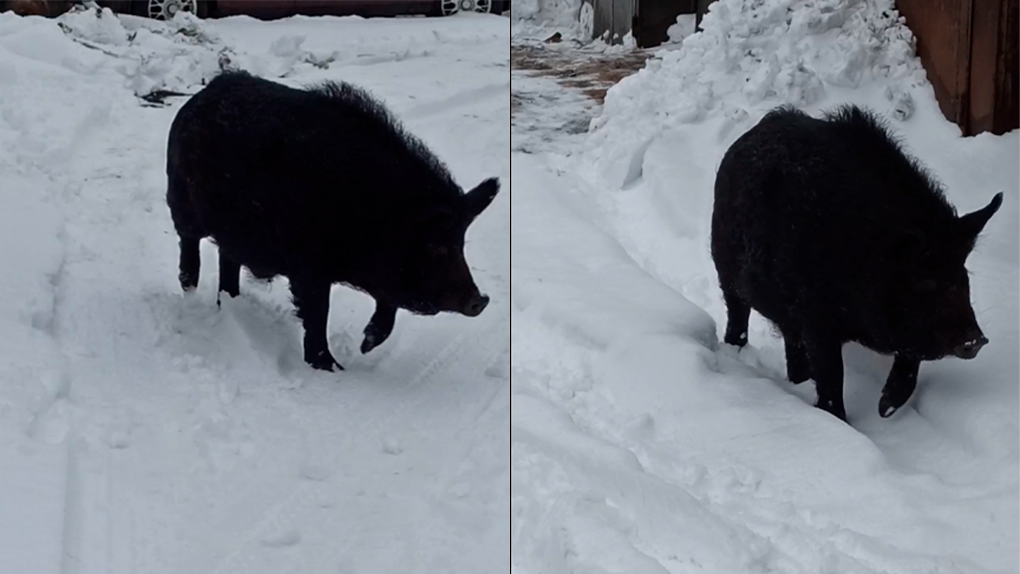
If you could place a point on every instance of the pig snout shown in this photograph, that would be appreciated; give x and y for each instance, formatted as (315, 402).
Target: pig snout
(970, 349)
(474, 305)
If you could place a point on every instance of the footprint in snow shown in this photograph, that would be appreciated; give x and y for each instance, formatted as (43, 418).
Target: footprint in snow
(283, 539)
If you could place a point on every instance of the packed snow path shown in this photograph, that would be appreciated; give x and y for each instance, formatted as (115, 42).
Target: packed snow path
(639, 444)
(142, 430)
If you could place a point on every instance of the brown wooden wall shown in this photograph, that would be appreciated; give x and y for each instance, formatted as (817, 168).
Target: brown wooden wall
(969, 49)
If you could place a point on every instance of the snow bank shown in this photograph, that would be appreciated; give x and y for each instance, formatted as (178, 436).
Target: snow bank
(757, 54)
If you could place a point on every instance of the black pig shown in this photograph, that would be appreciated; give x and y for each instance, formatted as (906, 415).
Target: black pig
(834, 234)
(322, 186)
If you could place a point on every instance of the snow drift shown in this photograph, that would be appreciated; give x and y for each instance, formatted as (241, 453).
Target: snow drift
(754, 55)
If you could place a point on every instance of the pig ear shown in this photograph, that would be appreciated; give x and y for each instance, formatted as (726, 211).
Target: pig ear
(970, 225)
(480, 197)
(437, 217)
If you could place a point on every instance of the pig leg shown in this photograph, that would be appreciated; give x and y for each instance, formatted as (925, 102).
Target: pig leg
(311, 297)
(798, 367)
(189, 263)
(188, 229)
(379, 327)
(899, 386)
(825, 355)
(737, 315)
(230, 277)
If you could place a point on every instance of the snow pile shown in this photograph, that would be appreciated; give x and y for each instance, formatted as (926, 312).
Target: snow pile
(180, 55)
(757, 54)
(93, 26)
(685, 26)
(536, 17)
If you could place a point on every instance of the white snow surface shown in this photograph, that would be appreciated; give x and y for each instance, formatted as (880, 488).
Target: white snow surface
(640, 443)
(142, 430)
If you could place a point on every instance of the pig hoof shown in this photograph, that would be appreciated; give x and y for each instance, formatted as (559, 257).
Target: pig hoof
(368, 344)
(796, 376)
(836, 410)
(188, 282)
(736, 340)
(373, 338)
(887, 406)
(324, 361)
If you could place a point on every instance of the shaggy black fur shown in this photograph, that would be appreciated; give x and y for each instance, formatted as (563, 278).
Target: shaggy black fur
(322, 186)
(834, 234)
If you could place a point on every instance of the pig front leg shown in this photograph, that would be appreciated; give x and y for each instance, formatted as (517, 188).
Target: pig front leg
(311, 297)
(379, 327)
(899, 386)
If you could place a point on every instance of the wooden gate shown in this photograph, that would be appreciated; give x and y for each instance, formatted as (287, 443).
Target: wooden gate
(648, 20)
(613, 18)
(970, 50)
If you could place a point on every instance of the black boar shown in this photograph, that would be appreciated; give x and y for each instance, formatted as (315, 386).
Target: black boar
(322, 186)
(834, 234)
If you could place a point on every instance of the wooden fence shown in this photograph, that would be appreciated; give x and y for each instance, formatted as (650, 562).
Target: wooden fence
(970, 50)
(648, 20)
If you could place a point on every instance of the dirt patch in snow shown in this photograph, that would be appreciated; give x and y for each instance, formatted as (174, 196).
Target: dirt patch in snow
(592, 73)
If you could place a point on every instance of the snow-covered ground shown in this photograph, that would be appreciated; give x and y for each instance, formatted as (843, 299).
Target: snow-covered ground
(145, 431)
(639, 443)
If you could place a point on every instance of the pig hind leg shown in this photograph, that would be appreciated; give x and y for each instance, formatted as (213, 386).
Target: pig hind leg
(738, 313)
(727, 253)
(189, 231)
(190, 262)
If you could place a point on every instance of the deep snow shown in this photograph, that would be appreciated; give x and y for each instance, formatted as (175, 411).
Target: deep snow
(639, 443)
(145, 431)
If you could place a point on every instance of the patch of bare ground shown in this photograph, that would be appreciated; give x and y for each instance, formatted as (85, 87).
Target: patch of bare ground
(591, 73)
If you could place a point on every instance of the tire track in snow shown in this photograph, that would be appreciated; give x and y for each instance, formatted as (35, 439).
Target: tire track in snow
(98, 532)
